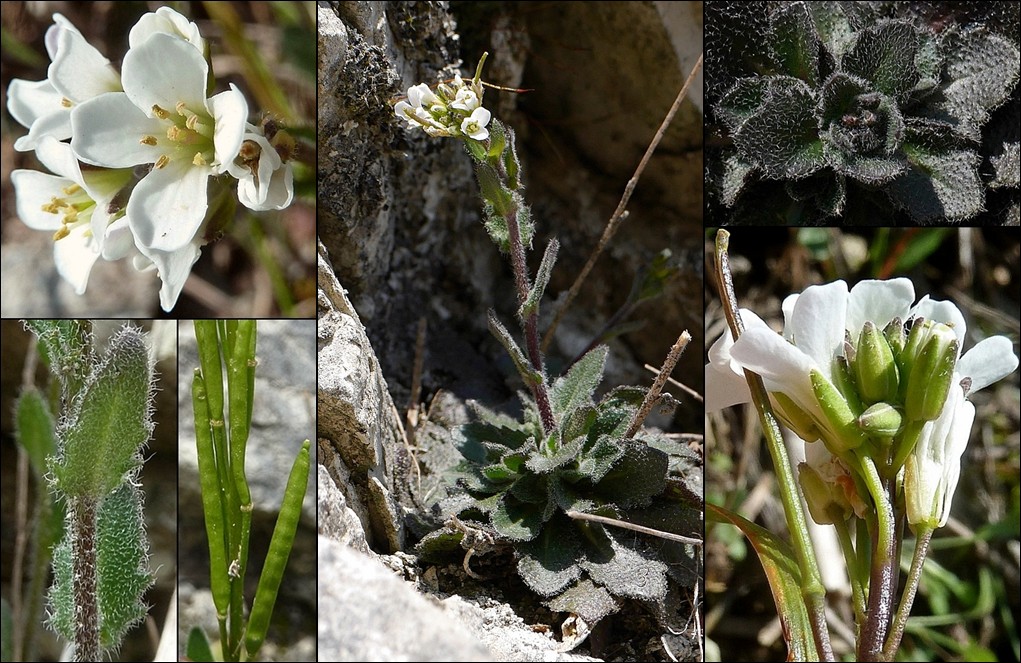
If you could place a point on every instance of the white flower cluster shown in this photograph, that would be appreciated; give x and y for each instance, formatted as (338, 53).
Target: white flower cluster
(133, 180)
(452, 110)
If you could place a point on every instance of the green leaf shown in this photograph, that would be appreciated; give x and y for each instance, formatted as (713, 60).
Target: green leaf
(625, 569)
(516, 520)
(795, 42)
(741, 101)
(596, 461)
(578, 385)
(510, 160)
(531, 303)
(784, 578)
(638, 476)
(485, 443)
(66, 347)
(983, 68)
(565, 453)
(198, 646)
(885, 55)
(528, 374)
(782, 137)
(833, 27)
(497, 141)
(550, 562)
(436, 546)
(493, 191)
(939, 185)
(587, 600)
(122, 560)
(477, 151)
(34, 429)
(111, 420)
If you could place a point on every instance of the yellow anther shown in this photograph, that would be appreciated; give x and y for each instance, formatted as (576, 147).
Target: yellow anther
(71, 189)
(53, 207)
(162, 161)
(148, 140)
(191, 122)
(63, 232)
(174, 133)
(70, 215)
(159, 112)
(65, 102)
(199, 160)
(182, 109)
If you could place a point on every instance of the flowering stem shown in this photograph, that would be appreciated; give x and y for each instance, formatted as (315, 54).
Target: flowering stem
(531, 321)
(86, 631)
(813, 592)
(908, 598)
(881, 581)
(853, 567)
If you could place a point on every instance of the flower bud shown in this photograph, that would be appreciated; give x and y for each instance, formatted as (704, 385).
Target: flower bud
(845, 385)
(895, 336)
(842, 422)
(874, 367)
(930, 373)
(881, 420)
(795, 418)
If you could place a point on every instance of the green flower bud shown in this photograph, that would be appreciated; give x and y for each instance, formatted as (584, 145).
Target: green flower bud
(843, 382)
(881, 420)
(842, 421)
(895, 336)
(930, 373)
(874, 367)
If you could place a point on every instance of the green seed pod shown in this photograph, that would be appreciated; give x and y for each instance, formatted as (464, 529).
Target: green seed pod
(212, 505)
(842, 422)
(279, 550)
(881, 420)
(875, 370)
(110, 422)
(932, 372)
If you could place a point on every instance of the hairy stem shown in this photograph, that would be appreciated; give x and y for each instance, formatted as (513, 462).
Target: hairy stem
(86, 630)
(531, 321)
(813, 592)
(908, 598)
(881, 580)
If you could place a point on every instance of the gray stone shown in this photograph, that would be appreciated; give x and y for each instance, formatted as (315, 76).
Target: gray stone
(366, 613)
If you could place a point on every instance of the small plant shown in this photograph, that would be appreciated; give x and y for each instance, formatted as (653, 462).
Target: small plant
(860, 113)
(547, 485)
(226, 501)
(100, 566)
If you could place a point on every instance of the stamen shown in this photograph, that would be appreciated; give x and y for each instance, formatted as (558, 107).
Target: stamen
(148, 140)
(65, 102)
(191, 122)
(71, 190)
(174, 133)
(182, 109)
(61, 233)
(159, 112)
(53, 207)
(199, 160)
(162, 161)
(70, 215)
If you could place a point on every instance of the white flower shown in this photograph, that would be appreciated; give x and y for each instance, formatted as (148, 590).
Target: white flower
(815, 326)
(173, 268)
(265, 181)
(474, 126)
(164, 118)
(466, 100)
(166, 21)
(77, 73)
(79, 208)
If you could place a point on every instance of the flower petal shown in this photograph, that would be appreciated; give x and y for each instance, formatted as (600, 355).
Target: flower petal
(33, 190)
(173, 268)
(878, 302)
(783, 367)
(79, 71)
(818, 324)
(164, 71)
(945, 312)
(168, 205)
(988, 361)
(74, 256)
(166, 21)
(107, 131)
(229, 110)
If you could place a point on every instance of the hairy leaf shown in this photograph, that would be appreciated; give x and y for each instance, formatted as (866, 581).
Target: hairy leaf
(596, 461)
(885, 55)
(528, 374)
(587, 600)
(637, 477)
(531, 304)
(795, 42)
(742, 101)
(735, 174)
(515, 520)
(578, 385)
(549, 563)
(782, 137)
(939, 185)
(623, 568)
(34, 429)
(983, 68)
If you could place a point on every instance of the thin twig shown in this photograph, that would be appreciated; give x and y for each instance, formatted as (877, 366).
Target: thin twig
(677, 383)
(577, 515)
(657, 386)
(621, 212)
